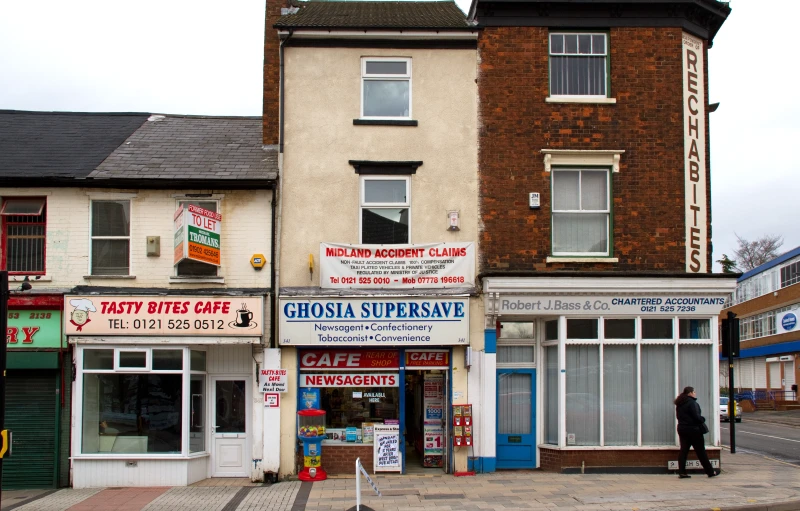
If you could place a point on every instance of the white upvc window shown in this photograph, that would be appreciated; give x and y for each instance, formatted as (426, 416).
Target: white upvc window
(385, 88)
(581, 212)
(385, 210)
(578, 65)
(111, 237)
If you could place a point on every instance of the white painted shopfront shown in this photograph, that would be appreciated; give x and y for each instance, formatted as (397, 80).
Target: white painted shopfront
(165, 388)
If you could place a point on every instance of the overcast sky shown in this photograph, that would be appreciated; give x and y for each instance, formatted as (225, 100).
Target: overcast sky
(204, 57)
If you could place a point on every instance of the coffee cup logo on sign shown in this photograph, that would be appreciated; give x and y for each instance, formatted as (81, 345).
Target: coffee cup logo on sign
(244, 318)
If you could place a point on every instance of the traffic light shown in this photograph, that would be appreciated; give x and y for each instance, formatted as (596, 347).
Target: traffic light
(730, 336)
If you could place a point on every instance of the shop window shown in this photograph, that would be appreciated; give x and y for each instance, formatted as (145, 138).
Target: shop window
(581, 212)
(551, 395)
(658, 387)
(111, 237)
(516, 346)
(578, 64)
(386, 88)
(694, 362)
(653, 328)
(133, 401)
(354, 406)
(24, 235)
(190, 268)
(583, 395)
(198, 360)
(582, 329)
(694, 328)
(620, 402)
(619, 328)
(385, 210)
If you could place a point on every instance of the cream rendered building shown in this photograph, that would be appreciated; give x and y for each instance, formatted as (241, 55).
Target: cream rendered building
(379, 160)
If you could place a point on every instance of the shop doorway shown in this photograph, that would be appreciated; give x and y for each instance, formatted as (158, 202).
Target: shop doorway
(229, 438)
(426, 421)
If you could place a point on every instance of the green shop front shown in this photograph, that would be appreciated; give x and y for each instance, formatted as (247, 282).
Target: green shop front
(37, 409)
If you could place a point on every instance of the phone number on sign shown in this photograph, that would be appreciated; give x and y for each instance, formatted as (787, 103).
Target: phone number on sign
(378, 281)
(170, 324)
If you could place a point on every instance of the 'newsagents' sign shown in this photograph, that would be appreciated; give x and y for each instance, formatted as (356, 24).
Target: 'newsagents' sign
(571, 305)
(374, 322)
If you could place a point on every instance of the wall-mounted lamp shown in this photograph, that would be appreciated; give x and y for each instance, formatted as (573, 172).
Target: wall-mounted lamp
(452, 221)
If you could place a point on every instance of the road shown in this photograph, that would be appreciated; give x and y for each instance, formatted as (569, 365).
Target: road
(773, 440)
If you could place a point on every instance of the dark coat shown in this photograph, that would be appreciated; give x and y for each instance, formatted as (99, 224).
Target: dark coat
(688, 413)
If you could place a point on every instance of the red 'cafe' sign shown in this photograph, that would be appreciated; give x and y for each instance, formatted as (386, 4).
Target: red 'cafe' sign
(427, 358)
(346, 359)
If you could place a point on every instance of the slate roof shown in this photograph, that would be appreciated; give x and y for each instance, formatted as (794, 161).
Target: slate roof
(60, 145)
(375, 15)
(192, 148)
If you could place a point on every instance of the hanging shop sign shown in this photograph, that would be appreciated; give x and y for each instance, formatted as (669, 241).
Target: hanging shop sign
(349, 360)
(434, 265)
(197, 235)
(371, 322)
(581, 305)
(33, 329)
(350, 380)
(273, 380)
(427, 359)
(158, 315)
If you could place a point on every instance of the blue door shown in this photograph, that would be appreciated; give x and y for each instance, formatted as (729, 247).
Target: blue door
(516, 418)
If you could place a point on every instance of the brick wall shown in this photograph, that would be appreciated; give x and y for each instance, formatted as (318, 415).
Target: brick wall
(646, 122)
(770, 301)
(271, 73)
(555, 460)
(338, 459)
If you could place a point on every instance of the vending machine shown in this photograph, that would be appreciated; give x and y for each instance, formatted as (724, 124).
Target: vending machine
(462, 425)
(311, 431)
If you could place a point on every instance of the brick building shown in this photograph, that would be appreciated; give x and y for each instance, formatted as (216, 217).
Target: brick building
(766, 301)
(129, 239)
(595, 262)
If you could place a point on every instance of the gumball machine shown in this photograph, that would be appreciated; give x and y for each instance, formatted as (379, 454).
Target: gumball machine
(311, 430)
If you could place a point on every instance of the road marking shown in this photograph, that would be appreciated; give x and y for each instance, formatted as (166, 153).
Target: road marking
(768, 436)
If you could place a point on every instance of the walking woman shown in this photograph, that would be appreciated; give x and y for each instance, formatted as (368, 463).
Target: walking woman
(691, 428)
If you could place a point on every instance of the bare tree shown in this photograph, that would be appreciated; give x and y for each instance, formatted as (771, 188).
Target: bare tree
(752, 254)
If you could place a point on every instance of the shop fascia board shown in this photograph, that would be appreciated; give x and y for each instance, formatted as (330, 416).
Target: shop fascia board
(165, 340)
(603, 285)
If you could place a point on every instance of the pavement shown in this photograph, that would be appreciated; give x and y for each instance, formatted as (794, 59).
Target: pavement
(749, 482)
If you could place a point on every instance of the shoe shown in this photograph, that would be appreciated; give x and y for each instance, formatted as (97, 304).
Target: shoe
(715, 474)
(684, 476)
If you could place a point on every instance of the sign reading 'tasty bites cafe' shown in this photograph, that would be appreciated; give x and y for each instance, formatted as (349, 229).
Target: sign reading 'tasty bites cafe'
(160, 315)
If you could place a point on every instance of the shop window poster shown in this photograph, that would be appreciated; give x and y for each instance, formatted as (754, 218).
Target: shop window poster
(309, 399)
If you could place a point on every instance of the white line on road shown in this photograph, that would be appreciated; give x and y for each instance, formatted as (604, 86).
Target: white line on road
(759, 434)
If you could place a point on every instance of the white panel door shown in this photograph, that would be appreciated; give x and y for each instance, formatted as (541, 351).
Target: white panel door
(230, 418)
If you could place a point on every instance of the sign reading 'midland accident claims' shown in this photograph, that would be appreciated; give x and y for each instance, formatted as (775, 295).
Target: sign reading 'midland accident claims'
(197, 235)
(374, 322)
(434, 265)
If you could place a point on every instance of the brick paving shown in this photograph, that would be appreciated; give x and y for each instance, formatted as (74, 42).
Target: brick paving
(748, 481)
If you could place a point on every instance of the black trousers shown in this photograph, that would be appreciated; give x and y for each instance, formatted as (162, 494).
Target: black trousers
(693, 439)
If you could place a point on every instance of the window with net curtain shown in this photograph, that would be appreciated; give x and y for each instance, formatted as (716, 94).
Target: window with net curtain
(111, 231)
(581, 212)
(578, 64)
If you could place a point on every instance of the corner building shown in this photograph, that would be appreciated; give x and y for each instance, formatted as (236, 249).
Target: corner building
(373, 109)
(599, 301)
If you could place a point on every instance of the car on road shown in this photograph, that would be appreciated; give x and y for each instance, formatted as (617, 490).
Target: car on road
(723, 410)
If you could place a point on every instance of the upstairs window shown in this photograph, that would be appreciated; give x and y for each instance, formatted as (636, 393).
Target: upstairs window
(385, 210)
(790, 274)
(386, 88)
(578, 64)
(111, 237)
(581, 213)
(24, 228)
(189, 268)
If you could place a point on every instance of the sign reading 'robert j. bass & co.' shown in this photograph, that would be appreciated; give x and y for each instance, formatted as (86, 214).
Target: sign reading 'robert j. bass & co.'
(434, 265)
(158, 315)
(694, 141)
(374, 322)
(197, 234)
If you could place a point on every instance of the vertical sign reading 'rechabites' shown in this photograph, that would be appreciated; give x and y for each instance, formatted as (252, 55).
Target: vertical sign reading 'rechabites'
(197, 235)
(694, 135)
